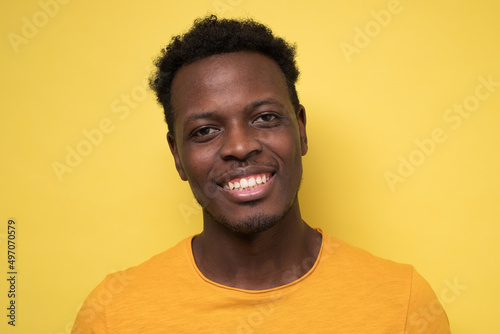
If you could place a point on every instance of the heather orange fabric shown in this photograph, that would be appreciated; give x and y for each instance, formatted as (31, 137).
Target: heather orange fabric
(346, 291)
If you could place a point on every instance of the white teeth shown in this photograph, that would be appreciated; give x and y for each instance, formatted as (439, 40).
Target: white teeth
(251, 182)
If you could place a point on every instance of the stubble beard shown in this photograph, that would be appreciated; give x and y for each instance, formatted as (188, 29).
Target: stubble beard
(252, 224)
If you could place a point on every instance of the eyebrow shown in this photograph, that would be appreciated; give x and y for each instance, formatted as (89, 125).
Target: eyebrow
(206, 114)
(259, 103)
(213, 114)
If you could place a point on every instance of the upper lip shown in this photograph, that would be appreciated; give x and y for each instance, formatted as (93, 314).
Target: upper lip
(243, 172)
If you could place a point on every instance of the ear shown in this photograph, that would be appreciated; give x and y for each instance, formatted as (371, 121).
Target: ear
(301, 120)
(175, 153)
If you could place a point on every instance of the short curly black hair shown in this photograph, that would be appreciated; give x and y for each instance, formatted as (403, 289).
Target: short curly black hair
(211, 36)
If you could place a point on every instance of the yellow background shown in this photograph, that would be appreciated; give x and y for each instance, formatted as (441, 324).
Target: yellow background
(124, 202)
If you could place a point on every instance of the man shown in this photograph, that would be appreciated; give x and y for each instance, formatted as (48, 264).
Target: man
(237, 134)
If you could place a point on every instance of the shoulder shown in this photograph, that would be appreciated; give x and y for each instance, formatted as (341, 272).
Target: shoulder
(166, 262)
(132, 287)
(346, 258)
(381, 284)
(157, 268)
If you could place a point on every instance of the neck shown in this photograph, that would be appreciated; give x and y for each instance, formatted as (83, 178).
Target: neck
(259, 261)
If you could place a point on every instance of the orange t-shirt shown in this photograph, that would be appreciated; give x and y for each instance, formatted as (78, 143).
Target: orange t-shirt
(346, 291)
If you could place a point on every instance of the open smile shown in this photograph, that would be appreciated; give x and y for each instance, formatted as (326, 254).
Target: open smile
(248, 183)
(250, 186)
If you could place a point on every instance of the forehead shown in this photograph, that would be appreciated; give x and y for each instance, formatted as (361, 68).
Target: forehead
(229, 80)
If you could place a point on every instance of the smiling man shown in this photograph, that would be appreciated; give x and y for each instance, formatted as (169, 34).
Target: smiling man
(239, 142)
(237, 133)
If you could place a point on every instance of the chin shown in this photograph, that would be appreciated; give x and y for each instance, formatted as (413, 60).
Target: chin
(249, 225)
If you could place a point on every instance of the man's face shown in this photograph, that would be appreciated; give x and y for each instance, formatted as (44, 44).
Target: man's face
(238, 140)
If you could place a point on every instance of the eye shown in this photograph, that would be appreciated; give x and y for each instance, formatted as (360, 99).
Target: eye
(266, 118)
(204, 133)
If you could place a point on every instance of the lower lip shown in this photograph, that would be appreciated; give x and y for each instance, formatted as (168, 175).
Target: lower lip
(250, 195)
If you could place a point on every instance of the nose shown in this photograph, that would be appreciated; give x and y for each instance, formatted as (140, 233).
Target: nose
(239, 142)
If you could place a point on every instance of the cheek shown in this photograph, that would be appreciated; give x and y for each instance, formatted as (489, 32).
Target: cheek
(291, 156)
(197, 166)
(288, 147)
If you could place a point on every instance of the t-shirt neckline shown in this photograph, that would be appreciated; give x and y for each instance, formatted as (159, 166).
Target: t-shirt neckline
(200, 275)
